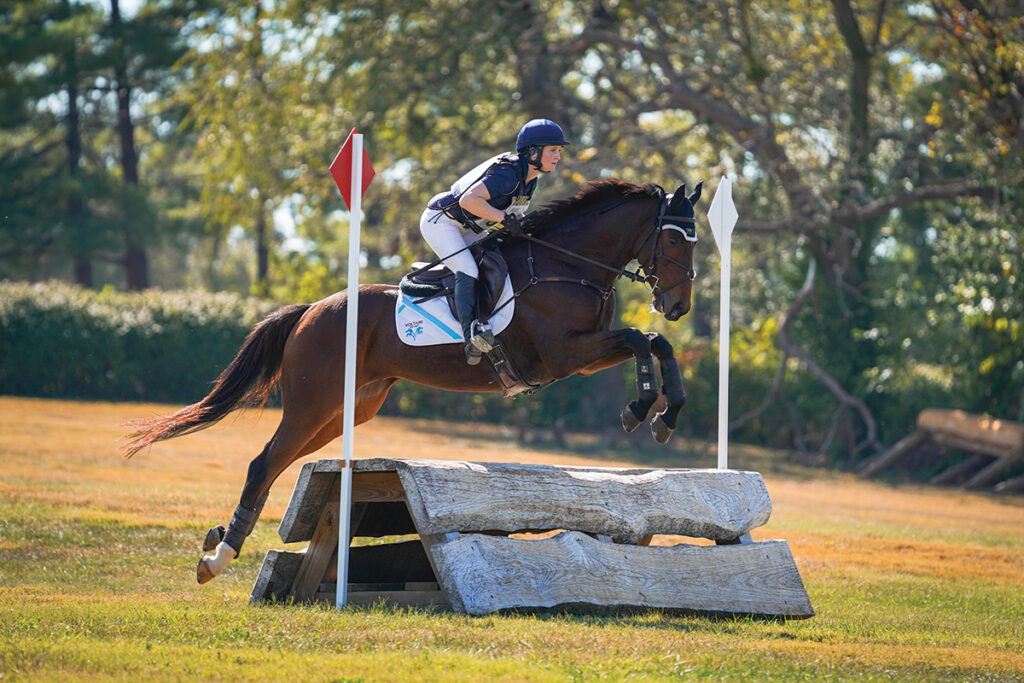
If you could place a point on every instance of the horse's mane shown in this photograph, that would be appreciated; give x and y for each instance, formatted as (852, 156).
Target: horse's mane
(594, 194)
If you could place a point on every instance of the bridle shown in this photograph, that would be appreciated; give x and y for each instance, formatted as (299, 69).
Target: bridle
(666, 221)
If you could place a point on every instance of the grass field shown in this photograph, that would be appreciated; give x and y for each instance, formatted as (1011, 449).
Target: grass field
(97, 558)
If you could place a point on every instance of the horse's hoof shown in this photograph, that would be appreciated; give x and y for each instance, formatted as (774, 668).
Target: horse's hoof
(203, 571)
(629, 420)
(661, 431)
(214, 536)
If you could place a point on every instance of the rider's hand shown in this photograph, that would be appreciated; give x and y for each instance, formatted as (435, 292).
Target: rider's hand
(513, 225)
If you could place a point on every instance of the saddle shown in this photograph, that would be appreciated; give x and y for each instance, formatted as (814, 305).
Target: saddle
(440, 281)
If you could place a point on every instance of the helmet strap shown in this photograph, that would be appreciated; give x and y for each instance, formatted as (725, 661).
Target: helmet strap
(534, 153)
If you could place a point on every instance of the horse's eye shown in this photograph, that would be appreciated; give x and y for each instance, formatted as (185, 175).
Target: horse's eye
(673, 239)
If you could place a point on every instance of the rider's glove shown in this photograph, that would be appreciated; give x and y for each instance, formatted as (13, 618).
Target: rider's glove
(513, 225)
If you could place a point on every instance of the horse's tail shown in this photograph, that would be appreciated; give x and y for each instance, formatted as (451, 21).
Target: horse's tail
(246, 381)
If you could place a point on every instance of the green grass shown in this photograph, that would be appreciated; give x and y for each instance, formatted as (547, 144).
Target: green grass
(97, 582)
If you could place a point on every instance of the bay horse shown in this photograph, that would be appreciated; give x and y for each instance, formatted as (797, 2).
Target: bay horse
(561, 327)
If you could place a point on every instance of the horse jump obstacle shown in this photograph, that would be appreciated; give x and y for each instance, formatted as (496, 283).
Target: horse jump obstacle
(995, 446)
(465, 559)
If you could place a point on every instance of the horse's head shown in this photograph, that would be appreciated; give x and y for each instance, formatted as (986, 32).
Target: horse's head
(671, 265)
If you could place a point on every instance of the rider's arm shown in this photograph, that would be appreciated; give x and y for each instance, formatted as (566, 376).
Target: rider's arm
(474, 200)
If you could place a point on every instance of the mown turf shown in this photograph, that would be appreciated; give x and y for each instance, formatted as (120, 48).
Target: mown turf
(97, 558)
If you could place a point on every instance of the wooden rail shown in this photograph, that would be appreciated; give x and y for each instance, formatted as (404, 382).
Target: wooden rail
(993, 446)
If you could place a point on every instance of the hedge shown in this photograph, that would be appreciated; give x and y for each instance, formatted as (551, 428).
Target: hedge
(59, 340)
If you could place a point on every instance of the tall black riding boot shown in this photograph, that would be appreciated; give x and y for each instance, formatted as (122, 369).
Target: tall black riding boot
(477, 342)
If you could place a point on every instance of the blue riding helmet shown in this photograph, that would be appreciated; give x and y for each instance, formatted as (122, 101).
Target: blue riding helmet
(538, 133)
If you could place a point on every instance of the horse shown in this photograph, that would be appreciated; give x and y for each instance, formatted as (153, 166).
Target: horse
(563, 271)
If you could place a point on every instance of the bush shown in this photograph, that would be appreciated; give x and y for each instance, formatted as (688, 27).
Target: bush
(59, 340)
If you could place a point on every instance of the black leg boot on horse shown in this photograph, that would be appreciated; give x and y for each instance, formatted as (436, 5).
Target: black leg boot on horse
(477, 342)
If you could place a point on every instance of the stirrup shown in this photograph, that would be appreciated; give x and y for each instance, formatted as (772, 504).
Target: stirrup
(482, 340)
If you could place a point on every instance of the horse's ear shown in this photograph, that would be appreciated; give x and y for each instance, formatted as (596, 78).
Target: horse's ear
(695, 197)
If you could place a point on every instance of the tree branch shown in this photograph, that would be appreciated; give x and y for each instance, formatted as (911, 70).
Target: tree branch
(880, 207)
(871, 210)
(871, 439)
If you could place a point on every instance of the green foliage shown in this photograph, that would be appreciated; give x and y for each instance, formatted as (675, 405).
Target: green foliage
(61, 340)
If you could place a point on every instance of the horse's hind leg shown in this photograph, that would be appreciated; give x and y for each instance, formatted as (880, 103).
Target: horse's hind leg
(664, 423)
(282, 450)
(293, 440)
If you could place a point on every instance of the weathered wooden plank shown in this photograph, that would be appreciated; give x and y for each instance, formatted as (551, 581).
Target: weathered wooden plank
(314, 487)
(1010, 485)
(960, 469)
(307, 502)
(992, 472)
(987, 434)
(322, 548)
(876, 464)
(276, 575)
(482, 574)
(626, 504)
(969, 445)
(377, 487)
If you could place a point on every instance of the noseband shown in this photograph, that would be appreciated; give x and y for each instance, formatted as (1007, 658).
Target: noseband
(663, 222)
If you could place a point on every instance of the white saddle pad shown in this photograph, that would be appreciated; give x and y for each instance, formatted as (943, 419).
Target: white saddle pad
(431, 322)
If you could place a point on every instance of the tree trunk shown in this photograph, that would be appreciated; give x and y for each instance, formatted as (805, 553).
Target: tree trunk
(262, 252)
(75, 210)
(135, 263)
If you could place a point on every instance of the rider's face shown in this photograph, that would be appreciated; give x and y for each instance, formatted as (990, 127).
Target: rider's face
(549, 157)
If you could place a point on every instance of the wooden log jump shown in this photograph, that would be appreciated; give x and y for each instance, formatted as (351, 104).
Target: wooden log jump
(994, 446)
(592, 528)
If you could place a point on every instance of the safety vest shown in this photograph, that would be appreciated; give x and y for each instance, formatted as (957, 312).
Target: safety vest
(517, 201)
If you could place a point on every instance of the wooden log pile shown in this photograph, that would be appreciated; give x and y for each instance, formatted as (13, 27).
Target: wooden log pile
(499, 536)
(992, 448)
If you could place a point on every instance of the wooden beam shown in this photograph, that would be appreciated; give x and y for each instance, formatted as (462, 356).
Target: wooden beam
(876, 464)
(277, 574)
(1011, 485)
(625, 504)
(991, 473)
(955, 472)
(978, 433)
(484, 574)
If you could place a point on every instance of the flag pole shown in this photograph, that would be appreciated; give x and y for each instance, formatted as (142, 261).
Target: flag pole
(351, 335)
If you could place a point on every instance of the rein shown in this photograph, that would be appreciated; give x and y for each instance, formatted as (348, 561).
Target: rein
(649, 276)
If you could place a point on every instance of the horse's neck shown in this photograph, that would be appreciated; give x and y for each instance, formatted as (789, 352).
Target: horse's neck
(613, 238)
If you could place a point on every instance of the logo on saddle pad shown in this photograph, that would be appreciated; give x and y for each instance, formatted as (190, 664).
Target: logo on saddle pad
(413, 329)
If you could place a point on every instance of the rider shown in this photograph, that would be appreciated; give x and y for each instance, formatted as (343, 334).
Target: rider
(495, 194)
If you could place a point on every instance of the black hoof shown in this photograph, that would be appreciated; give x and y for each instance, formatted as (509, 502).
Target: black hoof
(629, 420)
(661, 431)
(213, 537)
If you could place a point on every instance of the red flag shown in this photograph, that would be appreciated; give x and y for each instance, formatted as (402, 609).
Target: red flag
(341, 170)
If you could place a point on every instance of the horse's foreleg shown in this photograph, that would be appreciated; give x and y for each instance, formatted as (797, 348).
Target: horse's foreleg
(664, 423)
(646, 388)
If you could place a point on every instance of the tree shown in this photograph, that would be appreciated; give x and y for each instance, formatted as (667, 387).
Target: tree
(769, 77)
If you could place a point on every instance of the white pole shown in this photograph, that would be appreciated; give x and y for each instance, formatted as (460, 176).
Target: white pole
(722, 216)
(723, 356)
(348, 415)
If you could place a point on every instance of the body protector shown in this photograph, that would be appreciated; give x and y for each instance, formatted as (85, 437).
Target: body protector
(505, 178)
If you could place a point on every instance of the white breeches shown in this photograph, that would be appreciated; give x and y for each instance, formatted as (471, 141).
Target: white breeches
(446, 236)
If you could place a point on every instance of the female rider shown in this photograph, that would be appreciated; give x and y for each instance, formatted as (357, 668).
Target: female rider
(494, 194)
